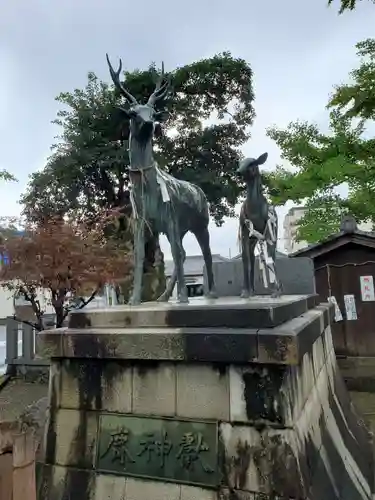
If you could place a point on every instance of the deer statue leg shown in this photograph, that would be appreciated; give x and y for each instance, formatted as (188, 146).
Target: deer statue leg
(166, 295)
(245, 262)
(203, 238)
(139, 256)
(178, 254)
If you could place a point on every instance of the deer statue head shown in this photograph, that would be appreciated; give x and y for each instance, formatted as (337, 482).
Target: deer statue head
(144, 119)
(249, 167)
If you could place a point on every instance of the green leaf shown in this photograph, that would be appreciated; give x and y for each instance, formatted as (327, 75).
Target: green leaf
(322, 163)
(347, 4)
(6, 176)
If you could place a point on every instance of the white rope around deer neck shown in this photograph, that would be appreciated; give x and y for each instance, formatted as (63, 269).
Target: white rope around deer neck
(160, 179)
(265, 261)
(271, 220)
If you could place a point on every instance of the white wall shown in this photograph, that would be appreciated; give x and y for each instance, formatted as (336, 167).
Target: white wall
(6, 303)
(7, 306)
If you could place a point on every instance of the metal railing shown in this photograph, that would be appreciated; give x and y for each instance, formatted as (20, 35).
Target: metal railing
(20, 345)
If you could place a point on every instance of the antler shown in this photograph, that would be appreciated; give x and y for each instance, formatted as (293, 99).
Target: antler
(160, 90)
(116, 80)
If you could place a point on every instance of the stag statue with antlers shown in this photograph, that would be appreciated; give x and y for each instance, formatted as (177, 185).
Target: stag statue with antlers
(160, 202)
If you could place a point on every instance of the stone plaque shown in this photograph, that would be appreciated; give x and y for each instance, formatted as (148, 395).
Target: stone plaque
(173, 450)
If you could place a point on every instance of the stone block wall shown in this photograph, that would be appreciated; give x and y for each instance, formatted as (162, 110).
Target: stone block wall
(284, 423)
(284, 430)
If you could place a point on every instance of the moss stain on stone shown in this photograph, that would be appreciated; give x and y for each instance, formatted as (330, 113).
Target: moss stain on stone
(50, 444)
(262, 393)
(91, 374)
(277, 467)
(145, 366)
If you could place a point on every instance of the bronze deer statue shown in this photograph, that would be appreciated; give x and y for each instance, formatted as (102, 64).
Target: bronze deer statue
(258, 224)
(160, 201)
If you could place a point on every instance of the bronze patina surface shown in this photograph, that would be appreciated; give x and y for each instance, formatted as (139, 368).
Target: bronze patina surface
(176, 450)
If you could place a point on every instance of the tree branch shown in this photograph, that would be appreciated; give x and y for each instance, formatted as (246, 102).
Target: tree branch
(35, 304)
(82, 304)
(34, 325)
(85, 302)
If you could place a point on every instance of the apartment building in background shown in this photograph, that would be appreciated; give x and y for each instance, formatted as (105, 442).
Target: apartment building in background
(290, 230)
(291, 225)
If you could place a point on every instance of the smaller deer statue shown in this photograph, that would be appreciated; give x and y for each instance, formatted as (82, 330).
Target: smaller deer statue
(160, 202)
(258, 224)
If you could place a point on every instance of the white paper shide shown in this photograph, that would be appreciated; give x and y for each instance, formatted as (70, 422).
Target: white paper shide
(338, 315)
(367, 288)
(350, 307)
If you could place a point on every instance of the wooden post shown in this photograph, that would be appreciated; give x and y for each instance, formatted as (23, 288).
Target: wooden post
(24, 483)
(11, 340)
(6, 476)
(28, 348)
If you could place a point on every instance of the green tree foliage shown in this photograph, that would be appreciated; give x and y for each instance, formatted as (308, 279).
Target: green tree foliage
(322, 162)
(88, 167)
(347, 4)
(6, 176)
(88, 170)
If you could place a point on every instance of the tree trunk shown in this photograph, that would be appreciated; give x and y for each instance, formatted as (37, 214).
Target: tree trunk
(153, 272)
(154, 282)
(59, 310)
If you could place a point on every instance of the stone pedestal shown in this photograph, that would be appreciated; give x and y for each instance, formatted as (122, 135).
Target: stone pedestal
(223, 400)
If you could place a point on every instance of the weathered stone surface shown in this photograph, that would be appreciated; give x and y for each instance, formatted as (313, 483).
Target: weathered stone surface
(51, 482)
(328, 342)
(17, 394)
(194, 493)
(228, 494)
(108, 487)
(288, 343)
(263, 461)
(154, 389)
(227, 312)
(94, 386)
(138, 489)
(274, 394)
(333, 440)
(256, 394)
(284, 344)
(49, 346)
(182, 344)
(287, 428)
(348, 432)
(58, 482)
(308, 435)
(318, 356)
(202, 392)
(76, 434)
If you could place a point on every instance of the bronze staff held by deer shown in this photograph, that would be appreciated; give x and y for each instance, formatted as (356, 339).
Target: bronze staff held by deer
(160, 201)
(258, 224)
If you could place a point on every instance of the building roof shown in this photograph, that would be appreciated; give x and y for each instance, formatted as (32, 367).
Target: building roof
(193, 265)
(337, 240)
(279, 255)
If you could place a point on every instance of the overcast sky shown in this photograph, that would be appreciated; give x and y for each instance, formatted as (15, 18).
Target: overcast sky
(298, 50)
